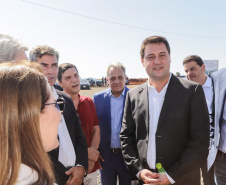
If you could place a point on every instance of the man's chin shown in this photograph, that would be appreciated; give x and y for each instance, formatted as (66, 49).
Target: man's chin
(51, 82)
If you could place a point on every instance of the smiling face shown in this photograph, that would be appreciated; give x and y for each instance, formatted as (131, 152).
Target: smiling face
(116, 79)
(49, 64)
(194, 72)
(156, 61)
(70, 81)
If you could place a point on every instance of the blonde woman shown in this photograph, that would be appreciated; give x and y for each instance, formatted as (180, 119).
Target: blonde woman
(29, 119)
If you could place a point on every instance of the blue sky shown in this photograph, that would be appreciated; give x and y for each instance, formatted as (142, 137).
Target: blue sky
(73, 28)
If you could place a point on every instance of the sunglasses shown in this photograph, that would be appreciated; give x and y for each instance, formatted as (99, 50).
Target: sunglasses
(60, 104)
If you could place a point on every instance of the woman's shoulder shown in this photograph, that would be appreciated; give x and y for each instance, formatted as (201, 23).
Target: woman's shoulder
(26, 175)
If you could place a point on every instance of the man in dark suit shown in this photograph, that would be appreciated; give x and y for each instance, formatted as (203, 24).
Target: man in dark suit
(109, 106)
(218, 149)
(194, 68)
(164, 122)
(70, 160)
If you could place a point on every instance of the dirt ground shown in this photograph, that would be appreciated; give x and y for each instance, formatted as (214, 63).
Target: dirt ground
(90, 92)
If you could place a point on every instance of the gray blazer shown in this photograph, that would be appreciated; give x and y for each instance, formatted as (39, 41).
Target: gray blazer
(219, 87)
(182, 136)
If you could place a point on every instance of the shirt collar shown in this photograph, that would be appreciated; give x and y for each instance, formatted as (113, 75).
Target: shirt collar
(150, 87)
(122, 94)
(208, 82)
(81, 98)
(54, 92)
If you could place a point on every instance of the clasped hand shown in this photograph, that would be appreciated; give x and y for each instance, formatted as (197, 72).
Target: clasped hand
(151, 178)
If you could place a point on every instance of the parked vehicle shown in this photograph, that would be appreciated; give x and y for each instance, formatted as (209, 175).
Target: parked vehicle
(94, 82)
(127, 81)
(84, 84)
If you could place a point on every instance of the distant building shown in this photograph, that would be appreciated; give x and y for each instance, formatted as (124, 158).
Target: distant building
(211, 66)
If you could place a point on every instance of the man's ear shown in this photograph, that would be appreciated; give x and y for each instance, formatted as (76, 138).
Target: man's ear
(107, 79)
(142, 61)
(60, 83)
(203, 67)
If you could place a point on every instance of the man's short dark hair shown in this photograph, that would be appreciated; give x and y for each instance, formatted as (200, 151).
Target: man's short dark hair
(64, 67)
(194, 58)
(154, 40)
(40, 51)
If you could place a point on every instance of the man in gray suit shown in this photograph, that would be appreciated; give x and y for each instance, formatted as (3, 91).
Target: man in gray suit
(164, 122)
(218, 148)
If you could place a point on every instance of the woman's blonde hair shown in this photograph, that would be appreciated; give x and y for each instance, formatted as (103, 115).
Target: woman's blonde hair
(23, 92)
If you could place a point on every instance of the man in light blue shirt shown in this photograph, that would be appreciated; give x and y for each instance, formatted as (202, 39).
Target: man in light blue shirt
(116, 115)
(110, 106)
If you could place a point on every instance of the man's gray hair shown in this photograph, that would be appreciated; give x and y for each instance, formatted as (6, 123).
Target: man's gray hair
(10, 48)
(116, 65)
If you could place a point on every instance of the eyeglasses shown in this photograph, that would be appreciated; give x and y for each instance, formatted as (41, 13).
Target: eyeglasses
(60, 104)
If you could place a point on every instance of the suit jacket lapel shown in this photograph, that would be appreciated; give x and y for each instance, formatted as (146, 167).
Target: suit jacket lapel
(171, 93)
(70, 116)
(124, 99)
(107, 105)
(220, 99)
(143, 104)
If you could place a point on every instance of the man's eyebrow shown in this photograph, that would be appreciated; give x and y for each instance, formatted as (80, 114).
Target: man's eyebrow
(149, 54)
(42, 63)
(67, 76)
(163, 52)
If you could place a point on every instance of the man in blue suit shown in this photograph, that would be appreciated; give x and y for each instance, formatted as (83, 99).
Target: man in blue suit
(218, 148)
(110, 106)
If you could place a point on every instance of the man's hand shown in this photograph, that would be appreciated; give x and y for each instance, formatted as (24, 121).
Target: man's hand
(93, 153)
(149, 177)
(76, 175)
(101, 158)
(163, 178)
(90, 165)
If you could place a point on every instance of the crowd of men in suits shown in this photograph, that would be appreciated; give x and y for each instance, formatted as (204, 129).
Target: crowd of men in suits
(125, 133)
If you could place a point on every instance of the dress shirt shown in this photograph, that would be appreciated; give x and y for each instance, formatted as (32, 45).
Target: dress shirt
(208, 91)
(155, 101)
(116, 118)
(67, 154)
(222, 145)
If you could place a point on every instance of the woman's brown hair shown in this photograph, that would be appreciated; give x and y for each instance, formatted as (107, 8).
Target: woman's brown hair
(23, 92)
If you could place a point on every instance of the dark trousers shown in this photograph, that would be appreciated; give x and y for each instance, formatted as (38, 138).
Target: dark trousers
(208, 177)
(220, 168)
(115, 167)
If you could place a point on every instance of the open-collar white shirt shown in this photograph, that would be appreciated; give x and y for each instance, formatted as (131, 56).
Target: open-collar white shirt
(67, 154)
(155, 102)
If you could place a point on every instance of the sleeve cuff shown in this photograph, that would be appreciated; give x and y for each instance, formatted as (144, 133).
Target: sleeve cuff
(170, 179)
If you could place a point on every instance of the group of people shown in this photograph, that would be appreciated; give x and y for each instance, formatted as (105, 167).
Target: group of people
(49, 136)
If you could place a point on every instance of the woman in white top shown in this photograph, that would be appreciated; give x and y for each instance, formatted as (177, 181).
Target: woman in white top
(29, 119)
